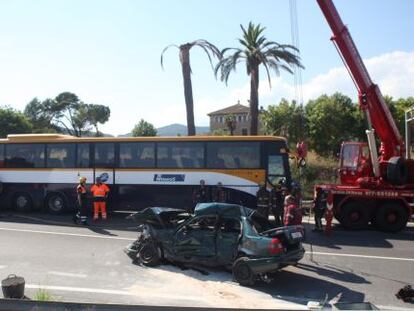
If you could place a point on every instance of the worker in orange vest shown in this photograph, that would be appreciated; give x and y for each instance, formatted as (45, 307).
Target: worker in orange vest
(100, 194)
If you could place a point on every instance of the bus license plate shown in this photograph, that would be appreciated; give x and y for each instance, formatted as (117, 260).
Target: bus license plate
(296, 235)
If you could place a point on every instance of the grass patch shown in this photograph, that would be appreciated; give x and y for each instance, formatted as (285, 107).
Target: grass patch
(43, 295)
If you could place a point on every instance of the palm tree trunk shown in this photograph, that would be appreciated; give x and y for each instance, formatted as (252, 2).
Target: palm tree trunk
(188, 89)
(254, 99)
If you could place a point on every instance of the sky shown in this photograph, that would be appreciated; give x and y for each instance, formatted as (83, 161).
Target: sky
(108, 52)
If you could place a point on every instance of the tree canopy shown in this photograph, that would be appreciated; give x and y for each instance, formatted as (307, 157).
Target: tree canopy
(287, 119)
(184, 52)
(144, 128)
(13, 122)
(66, 113)
(256, 50)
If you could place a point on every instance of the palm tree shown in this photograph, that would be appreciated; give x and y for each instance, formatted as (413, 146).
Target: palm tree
(257, 50)
(211, 50)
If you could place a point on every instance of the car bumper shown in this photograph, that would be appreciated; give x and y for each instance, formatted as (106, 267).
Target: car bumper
(269, 264)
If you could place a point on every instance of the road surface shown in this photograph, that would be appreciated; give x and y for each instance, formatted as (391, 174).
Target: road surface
(87, 264)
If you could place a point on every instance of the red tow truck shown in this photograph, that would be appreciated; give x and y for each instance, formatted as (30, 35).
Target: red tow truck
(376, 187)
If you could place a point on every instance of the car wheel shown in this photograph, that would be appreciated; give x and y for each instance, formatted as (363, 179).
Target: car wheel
(354, 216)
(150, 254)
(22, 202)
(391, 217)
(55, 203)
(242, 273)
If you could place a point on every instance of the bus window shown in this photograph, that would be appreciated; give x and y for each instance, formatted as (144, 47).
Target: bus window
(233, 155)
(83, 156)
(1, 155)
(276, 169)
(180, 155)
(25, 155)
(104, 155)
(275, 165)
(60, 155)
(136, 154)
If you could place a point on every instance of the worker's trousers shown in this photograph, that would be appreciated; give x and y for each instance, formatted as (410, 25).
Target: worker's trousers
(99, 207)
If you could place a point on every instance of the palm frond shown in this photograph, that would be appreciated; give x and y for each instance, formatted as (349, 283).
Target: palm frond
(256, 50)
(264, 61)
(209, 49)
(164, 50)
(228, 64)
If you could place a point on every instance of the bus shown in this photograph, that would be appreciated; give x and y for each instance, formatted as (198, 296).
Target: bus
(40, 171)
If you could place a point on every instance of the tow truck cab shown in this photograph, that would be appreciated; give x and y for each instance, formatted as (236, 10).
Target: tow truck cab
(355, 162)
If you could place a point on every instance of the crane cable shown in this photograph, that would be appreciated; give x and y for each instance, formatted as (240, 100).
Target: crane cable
(297, 80)
(297, 70)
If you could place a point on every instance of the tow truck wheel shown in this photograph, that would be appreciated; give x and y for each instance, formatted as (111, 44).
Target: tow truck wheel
(391, 217)
(354, 216)
(150, 254)
(242, 273)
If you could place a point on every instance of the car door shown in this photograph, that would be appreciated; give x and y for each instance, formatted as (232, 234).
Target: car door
(228, 236)
(196, 239)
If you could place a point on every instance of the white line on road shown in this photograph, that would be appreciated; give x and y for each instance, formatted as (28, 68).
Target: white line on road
(70, 234)
(359, 256)
(2, 267)
(74, 275)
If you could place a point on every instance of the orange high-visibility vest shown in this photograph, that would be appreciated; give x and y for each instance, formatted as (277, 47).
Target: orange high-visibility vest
(99, 190)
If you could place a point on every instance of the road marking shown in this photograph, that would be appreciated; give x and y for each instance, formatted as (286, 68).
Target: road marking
(2, 267)
(359, 256)
(73, 275)
(70, 234)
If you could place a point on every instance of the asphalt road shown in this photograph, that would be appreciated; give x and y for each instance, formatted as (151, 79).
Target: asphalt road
(88, 265)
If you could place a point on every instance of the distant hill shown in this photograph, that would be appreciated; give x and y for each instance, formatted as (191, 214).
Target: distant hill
(180, 129)
(176, 129)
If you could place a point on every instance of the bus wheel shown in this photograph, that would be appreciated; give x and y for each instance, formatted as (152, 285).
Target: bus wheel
(55, 203)
(391, 217)
(22, 202)
(354, 216)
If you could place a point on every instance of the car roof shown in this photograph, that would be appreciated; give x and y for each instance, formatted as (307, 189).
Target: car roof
(222, 209)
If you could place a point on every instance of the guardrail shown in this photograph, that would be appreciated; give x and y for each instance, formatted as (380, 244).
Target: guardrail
(30, 305)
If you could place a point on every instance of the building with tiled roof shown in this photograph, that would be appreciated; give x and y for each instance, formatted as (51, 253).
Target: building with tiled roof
(242, 118)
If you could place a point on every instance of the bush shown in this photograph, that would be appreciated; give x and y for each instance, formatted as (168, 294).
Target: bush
(318, 170)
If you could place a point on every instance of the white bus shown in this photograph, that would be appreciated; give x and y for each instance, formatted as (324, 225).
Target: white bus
(41, 171)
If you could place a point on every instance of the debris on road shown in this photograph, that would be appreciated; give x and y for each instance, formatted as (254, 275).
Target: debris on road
(406, 294)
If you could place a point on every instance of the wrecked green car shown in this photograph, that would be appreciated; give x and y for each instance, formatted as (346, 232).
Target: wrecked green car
(217, 234)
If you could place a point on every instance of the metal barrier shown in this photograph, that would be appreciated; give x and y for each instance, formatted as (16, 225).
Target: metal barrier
(30, 305)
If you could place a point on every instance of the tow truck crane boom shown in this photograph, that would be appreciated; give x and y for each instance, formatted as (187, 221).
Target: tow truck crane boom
(377, 190)
(370, 97)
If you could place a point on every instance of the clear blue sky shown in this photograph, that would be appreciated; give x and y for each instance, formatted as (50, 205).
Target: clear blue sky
(108, 52)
